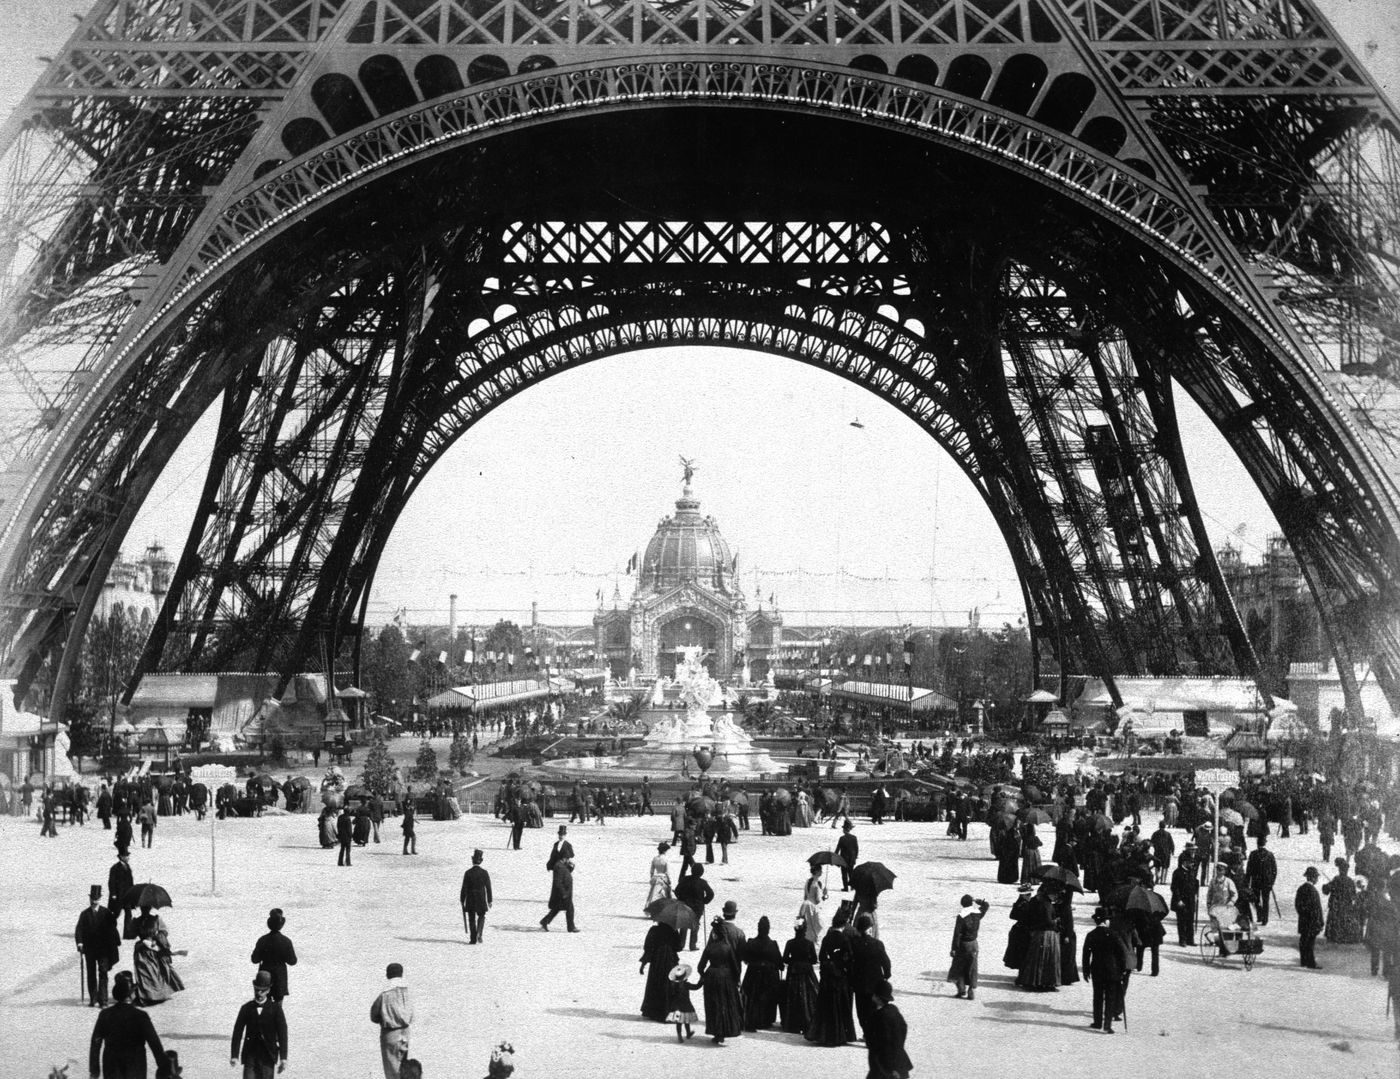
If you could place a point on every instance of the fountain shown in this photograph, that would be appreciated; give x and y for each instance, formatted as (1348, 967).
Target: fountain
(674, 738)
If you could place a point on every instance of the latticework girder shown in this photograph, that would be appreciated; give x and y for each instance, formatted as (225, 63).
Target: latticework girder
(1234, 149)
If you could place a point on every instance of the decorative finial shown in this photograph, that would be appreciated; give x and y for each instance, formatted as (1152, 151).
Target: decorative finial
(688, 466)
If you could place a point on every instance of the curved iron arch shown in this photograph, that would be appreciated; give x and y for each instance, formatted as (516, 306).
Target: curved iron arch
(1073, 170)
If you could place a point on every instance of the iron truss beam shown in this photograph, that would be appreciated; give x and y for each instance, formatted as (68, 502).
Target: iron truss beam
(1240, 142)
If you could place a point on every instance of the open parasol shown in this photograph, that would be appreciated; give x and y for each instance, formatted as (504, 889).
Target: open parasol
(1101, 823)
(1034, 815)
(827, 857)
(146, 895)
(1232, 818)
(1247, 810)
(1136, 897)
(782, 796)
(873, 877)
(1059, 873)
(674, 913)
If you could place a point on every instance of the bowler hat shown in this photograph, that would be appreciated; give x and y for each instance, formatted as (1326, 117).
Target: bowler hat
(263, 980)
(731, 907)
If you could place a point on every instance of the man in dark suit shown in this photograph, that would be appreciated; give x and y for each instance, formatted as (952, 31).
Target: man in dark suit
(344, 834)
(260, 1033)
(1106, 967)
(563, 850)
(274, 953)
(1308, 903)
(885, 1032)
(119, 882)
(1186, 895)
(695, 892)
(100, 944)
(870, 968)
(476, 898)
(121, 1036)
(848, 847)
(1260, 872)
(561, 894)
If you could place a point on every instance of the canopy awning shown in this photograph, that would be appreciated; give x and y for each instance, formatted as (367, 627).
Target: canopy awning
(488, 695)
(892, 695)
(587, 675)
(1055, 718)
(1041, 696)
(559, 684)
(1179, 695)
(176, 691)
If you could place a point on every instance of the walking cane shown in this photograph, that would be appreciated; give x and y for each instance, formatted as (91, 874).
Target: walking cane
(82, 979)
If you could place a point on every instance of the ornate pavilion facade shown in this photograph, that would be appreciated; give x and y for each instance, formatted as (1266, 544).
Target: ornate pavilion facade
(687, 595)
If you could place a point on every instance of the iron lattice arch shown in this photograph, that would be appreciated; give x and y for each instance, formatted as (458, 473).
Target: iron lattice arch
(362, 213)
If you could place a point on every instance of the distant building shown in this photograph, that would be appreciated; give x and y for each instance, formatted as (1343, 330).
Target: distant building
(687, 595)
(137, 587)
(1277, 609)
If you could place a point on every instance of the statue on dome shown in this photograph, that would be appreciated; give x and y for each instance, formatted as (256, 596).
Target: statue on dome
(688, 466)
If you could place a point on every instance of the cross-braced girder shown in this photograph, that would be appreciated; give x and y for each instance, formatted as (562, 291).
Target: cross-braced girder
(1238, 145)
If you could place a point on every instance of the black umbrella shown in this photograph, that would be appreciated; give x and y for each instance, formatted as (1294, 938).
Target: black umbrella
(827, 857)
(146, 895)
(674, 913)
(872, 877)
(1136, 897)
(1059, 873)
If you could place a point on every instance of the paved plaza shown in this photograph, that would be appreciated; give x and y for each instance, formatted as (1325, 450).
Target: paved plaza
(569, 1002)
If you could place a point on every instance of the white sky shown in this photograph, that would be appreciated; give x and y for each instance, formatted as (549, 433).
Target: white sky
(548, 497)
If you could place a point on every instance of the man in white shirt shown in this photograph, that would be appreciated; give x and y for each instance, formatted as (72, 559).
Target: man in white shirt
(393, 1011)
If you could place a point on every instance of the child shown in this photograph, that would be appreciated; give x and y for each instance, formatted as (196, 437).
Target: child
(681, 1011)
(963, 973)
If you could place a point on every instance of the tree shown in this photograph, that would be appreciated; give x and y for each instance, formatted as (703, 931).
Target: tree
(111, 649)
(426, 767)
(459, 757)
(505, 639)
(380, 774)
(85, 730)
(386, 672)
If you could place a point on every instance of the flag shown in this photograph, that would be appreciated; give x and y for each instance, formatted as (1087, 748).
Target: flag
(600, 597)
(491, 657)
(770, 599)
(889, 662)
(442, 659)
(469, 657)
(908, 656)
(734, 564)
(510, 661)
(867, 660)
(414, 655)
(852, 661)
(632, 562)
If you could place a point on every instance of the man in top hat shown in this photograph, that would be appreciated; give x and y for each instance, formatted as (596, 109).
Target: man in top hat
(1308, 903)
(1186, 894)
(1107, 962)
(563, 850)
(121, 1036)
(1205, 851)
(476, 898)
(99, 944)
(736, 937)
(1260, 873)
(119, 882)
(274, 953)
(260, 1033)
(848, 847)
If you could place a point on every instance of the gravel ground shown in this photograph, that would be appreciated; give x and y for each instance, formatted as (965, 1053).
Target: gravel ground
(569, 1002)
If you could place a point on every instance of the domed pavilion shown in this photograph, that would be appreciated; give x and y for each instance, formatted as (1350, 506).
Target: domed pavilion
(687, 596)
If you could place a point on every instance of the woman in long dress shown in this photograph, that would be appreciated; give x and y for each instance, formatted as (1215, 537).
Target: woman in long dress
(800, 987)
(1008, 855)
(1030, 852)
(813, 892)
(719, 975)
(1040, 969)
(832, 1021)
(1069, 939)
(660, 886)
(156, 979)
(660, 952)
(802, 815)
(763, 980)
(1343, 907)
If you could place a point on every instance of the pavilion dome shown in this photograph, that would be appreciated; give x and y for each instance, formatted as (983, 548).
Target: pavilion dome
(686, 547)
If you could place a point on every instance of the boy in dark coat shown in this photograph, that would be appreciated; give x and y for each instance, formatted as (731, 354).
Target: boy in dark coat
(274, 953)
(1106, 966)
(260, 1033)
(121, 1036)
(884, 1038)
(963, 973)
